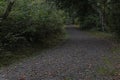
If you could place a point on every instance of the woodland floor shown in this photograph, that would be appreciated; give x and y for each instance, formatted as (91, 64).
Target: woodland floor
(80, 57)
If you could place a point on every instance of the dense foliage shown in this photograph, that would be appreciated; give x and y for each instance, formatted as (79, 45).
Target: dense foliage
(114, 18)
(102, 15)
(30, 22)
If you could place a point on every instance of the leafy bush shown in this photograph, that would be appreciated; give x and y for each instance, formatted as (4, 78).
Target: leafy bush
(2, 6)
(32, 21)
(114, 18)
(90, 22)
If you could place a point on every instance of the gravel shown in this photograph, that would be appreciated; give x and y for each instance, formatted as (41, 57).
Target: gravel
(78, 58)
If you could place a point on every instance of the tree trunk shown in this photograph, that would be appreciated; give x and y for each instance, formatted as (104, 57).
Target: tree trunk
(102, 17)
(8, 10)
(0, 20)
(102, 20)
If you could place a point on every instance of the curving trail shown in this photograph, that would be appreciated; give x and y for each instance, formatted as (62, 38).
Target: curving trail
(76, 59)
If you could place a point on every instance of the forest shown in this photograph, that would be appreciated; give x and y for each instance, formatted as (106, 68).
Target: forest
(30, 21)
(42, 23)
(101, 15)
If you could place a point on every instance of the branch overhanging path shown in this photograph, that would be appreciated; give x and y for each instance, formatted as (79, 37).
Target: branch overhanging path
(78, 59)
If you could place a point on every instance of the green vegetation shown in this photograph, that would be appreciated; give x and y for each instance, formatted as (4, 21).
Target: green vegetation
(108, 68)
(113, 61)
(8, 57)
(110, 62)
(25, 24)
(31, 22)
(97, 15)
(102, 35)
(114, 18)
(106, 71)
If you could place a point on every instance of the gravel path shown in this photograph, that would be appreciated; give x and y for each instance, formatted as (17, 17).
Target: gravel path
(76, 59)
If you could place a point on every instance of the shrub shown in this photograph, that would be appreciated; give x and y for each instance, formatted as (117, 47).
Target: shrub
(2, 6)
(90, 22)
(114, 18)
(32, 21)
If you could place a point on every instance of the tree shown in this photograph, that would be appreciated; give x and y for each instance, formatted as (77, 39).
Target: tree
(81, 7)
(101, 6)
(114, 17)
(8, 9)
